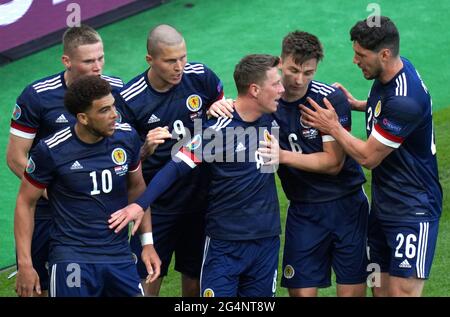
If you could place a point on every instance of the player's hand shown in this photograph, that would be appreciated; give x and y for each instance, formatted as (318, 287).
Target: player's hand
(152, 262)
(358, 105)
(320, 118)
(270, 151)
(221, 108)
(27, 280)
(122, 217)
(154, 138)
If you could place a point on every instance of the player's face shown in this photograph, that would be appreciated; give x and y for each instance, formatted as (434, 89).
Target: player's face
(271, 91)
(167, 65)
(296, 78)
(368, 61)
(101, 117)
(85, 60)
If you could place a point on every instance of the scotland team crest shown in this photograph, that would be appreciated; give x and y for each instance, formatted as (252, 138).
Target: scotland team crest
(119, 156)
(288, 271)
(194, 103)
(377, 109)
(30, 166)
(208, 293)
(16, 112)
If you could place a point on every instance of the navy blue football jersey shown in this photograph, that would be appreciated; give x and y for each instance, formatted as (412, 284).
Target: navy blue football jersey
(295, 136)
(146, 109)
(405, 186)
(86, 183)
(39, 112)
(242, 196)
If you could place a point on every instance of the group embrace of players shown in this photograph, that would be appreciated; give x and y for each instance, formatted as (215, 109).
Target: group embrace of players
(95, 155)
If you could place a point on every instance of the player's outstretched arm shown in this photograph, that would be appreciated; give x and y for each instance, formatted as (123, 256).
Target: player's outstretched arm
(27, 278)
(368, 154)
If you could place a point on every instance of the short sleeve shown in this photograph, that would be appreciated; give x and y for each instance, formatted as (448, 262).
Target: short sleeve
(398, 117)
(40, 167)
(135, 150)
(214, 86)
(26, 114)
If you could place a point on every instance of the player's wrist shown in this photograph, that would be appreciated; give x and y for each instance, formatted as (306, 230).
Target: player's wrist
(146, 238)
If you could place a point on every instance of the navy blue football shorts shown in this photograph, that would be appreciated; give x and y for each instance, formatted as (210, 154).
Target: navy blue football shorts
(94, 280)
(240, 268)
(325, 236)
(403, 249)
(182, 234)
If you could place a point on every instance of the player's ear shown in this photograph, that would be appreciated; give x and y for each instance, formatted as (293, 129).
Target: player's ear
(385, 54)
(66, 61)
(149, 59)
(253, 90)
(82, 118)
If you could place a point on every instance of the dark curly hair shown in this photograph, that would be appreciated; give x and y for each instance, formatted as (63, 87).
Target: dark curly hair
(377, 37)
(252, 69)
(83, 91)
(302, 46)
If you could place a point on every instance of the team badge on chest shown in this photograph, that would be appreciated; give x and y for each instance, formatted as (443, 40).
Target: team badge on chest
(378, 109)
(194, 103)
(119, 156)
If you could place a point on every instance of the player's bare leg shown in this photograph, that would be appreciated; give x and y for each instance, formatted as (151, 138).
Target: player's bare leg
(383, 289)
(351, 290)
(190, 287)
(303, 292)
(405, 287)
(152, 289)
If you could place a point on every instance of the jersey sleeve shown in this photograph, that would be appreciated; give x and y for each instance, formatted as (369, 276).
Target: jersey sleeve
(398, 117)
(213, 86)
(40, 167)
(135, 151)
(26, 114)
(343, 111)
(187, 158)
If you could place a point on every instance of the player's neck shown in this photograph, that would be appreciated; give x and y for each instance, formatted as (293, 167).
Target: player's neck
(291, 96)
(85, 135)
(67, 78)
(247, 109)
(390, 70)
(156, 82)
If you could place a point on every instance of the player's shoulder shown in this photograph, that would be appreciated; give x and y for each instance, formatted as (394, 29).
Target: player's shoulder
(134, 87)
(217, 124)
(115, 82)
(197, 71)
(195, 68)
(320, 90)
(46, 84)
(59, 139)
(124, 130)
